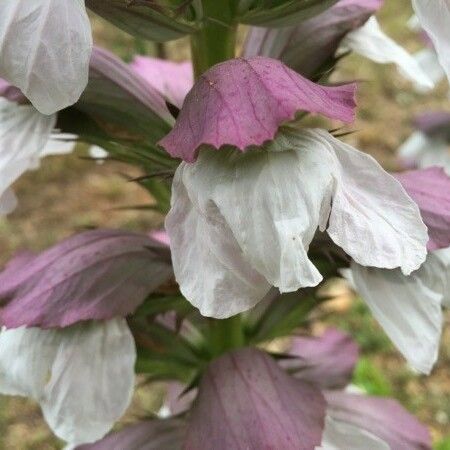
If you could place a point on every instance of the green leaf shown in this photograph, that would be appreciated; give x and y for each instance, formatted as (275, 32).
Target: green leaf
(371, 379)
(284, 314)
(142, 20)
(281, 13)
(443, 445)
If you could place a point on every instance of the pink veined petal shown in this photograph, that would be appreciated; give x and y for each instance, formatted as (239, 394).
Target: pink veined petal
(384, 418)
(173, 80)
(310, 45)
(430, 189)
(97, 275)
(328, 360)
(149, 435)
(243, 102)
(246, 401)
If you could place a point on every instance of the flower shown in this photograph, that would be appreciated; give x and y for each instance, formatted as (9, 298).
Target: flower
(434, 16)
(220, 111)
(65, 341)
(26, 135)
(243, 394)
(247, 219)
(45, 50)
(314, 45)
(370, 42)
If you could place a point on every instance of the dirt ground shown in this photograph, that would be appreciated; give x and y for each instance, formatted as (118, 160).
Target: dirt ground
(68, 194)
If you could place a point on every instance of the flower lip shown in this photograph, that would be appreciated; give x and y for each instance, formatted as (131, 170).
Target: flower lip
(242, 103)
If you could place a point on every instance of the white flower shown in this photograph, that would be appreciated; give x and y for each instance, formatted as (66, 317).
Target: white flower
(25, 137)
(434, 16)
(409, 308)
(370, 42)
(82, 376)
(45, 47)
(240, 223)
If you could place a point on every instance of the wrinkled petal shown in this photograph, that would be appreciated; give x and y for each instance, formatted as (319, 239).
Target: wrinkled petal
(328, 360)
(45, 46)
(408, 308)
(26, 359)
(24, 133)
(92, 380)
(383, 418)
(256, 405)
(370, 42)
(242, 102)
(434, 16)
(343, 436)
(173, 80)
(285, 192)
(372, 217)
(221, 283)
(83, 376)
(149, 435)
(311, 44)
(430, 189)
(98, 274)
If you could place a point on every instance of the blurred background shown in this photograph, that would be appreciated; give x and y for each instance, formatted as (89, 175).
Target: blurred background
(71, 193)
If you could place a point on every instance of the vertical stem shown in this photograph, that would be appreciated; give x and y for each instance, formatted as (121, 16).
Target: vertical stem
(216, 40)
(226, 334)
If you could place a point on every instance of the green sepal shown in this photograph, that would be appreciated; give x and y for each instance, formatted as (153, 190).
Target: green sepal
(280, 13)
(143, 19)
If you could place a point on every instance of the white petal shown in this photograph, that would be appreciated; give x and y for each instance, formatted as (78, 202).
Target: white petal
(26, 358)
(338, 435)
(45, 47)
(92, 380)
(415, 146)
(372, 218)
(443, 255)
(8, 202)
(240, 219)
(207, 260)
(24, 132)
(98, 153)
(434, 16)
(408, 308)
(429, 62)
(370, 42)
(59, 144)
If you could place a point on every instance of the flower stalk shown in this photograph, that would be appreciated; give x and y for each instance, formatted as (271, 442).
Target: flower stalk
(215, 42)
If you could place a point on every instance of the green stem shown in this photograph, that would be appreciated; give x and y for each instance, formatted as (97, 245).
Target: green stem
(216, 40)
(226, 335)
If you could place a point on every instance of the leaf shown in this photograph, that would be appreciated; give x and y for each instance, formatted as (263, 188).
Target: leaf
(283, 13)
(141, 20)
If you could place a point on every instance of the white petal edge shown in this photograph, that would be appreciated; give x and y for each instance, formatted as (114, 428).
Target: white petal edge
(339, 435)
(370, 41)
(45, 48)
(434, 16)
(24, 133)
(92, 380)
(409, 309)
(372, 217)
(429, 62)
(26, 358)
